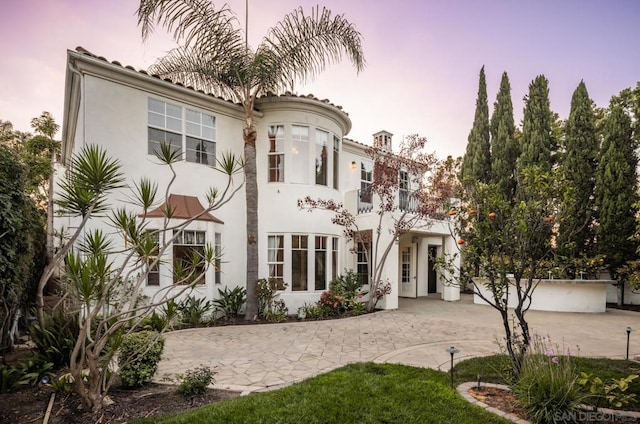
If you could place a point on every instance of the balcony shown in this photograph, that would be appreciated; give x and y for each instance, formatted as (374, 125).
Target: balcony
(407, 202)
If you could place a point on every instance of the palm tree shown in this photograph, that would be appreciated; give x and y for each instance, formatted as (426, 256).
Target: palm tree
(214, 56)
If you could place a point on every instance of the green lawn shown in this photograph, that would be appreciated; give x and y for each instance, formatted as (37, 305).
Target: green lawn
(358, 393)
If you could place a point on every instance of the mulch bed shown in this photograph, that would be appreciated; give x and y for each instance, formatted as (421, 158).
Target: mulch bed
(505, 401)
(29, 404)
(500, 399)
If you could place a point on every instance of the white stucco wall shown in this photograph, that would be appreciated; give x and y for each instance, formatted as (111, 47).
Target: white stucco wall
(112, 103)
(561, 296)
(113, 114)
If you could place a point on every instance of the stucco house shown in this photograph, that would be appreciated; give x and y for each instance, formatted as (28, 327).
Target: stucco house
(130, 113)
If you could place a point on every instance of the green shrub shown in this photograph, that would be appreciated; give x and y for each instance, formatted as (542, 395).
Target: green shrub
(171, 314)
(195, 382)
(278, 312)
(35, 368)
(63, 384)
(154, 322)
(56, 340)
(139, 356)
(613, 390)
(231, 301)
(344, 295)
(11, 378)
(547, 385)
(193, 310)
(267, 291)
(316, 311)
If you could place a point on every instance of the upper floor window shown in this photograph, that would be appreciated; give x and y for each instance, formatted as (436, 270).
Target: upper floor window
(366, 179)
(200, 137)
(322, 157)
(197, 137)
(276, 153)
(336, 162)
(165, 126)
(300, 154)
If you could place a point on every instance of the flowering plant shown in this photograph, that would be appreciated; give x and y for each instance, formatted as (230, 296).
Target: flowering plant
(547, 385)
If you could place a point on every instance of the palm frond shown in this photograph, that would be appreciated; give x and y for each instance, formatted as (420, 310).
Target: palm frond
(191, 67)
(301, 46)
(194, 23)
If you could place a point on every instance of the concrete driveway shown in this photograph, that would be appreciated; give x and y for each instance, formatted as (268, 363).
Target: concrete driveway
(258, 357)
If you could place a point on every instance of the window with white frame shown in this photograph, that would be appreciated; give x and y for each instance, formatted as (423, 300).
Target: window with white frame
(196, 137)
(218, 260)
(403, 192)
(165, 126)
(334, 258)
(362, 262)
(321, 263)
(300, 154)
(276, 153)
(366, 179)
(200, 138)
(275, 256)
(153, 271)
(188, 257)
(336, 162)
(406, 265)
(299, 262)
(322, 157)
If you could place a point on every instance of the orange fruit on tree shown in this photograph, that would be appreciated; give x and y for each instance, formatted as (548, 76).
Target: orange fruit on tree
(460, 242)
(492, 215)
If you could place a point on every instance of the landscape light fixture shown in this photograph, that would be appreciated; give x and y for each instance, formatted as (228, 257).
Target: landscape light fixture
(629, 330)
(452, 351)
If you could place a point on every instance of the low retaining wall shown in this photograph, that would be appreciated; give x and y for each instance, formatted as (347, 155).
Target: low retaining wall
(558, 295)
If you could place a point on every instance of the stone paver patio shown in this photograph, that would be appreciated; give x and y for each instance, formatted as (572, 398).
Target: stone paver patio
(259, 357)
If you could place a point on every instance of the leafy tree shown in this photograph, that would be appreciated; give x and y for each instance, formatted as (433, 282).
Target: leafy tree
(476, 165)
(510, 241)
(578, 163)
(616, 190)
(504, 145)
(215, 57)
(12, 138)
(21, 247)
(538, 143)
(396, 213)
(104, 279)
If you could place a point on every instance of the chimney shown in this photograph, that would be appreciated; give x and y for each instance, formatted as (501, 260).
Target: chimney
(382, 139)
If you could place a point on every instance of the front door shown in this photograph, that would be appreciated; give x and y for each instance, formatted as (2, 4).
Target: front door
(432, 276)
(407, 272)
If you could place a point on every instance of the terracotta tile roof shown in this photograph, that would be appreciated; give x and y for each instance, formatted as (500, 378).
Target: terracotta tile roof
(184, 207)
(303, 96)
(86, 52)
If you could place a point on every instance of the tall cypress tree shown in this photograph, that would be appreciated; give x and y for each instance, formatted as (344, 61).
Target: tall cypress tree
(538, 141)
(476, 165)
(616, 190)
(504, 146)
(578, 164)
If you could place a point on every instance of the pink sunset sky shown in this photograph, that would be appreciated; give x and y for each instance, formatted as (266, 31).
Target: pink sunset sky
(423, 57)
